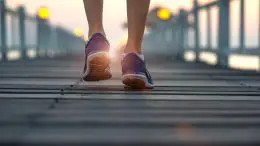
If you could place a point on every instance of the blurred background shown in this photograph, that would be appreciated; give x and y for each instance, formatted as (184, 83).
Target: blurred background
(69, 16)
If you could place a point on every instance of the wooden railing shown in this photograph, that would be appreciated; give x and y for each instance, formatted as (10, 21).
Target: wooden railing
(23, 33)
(223, 49)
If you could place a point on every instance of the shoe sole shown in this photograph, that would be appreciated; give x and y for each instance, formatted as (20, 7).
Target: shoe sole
(135, 81)
(98, 67)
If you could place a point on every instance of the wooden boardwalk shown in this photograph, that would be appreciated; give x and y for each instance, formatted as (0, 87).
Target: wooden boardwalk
(192, 104)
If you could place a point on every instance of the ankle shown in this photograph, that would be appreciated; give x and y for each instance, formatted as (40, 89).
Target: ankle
(94, 31)
(141, 56)
(132, 49)
(91, 34)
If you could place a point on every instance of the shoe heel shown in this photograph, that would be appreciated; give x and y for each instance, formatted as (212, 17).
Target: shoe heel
(98, 67)
(134, 82)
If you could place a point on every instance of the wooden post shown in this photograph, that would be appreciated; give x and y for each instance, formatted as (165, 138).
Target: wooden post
(196, 29)
(47, 38)
(21, 13)
(209, 35)
(38, 32)
(182, 28)
(259, 35)
(223, 35)
(43, 36)
(3, 29)
(242, 26)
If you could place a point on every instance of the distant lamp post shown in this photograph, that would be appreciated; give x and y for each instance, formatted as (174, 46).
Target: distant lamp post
(43, 13)
(164, 14)
(78, 32)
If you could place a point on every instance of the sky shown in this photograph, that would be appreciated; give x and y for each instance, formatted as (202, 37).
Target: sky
(70, 14)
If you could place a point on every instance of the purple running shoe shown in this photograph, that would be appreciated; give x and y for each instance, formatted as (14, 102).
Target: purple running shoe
(97, 59)
(135, 74)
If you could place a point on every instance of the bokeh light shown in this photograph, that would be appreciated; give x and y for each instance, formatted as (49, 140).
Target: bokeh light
(164, 14)
(43, 13)
(78, 32)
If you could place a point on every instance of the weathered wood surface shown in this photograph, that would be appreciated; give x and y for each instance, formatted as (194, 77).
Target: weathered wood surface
(192, 104)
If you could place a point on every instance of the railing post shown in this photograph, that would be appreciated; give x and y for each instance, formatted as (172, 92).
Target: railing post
(209, 34)
(38, 36)
(182, 27)
(21, 13)
(259, 36)
(41, 31)
(43, 36)
(3, 29)
(242, 26)
(223, 35)
(56, 43)
(47, 38)
(196, 29)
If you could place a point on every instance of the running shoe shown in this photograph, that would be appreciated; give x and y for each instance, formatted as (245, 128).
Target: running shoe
(97, 59)
(135, 73)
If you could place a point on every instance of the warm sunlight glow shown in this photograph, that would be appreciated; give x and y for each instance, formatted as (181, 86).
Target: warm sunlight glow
(13, 55)
(112, 53)
(208, 57)
(31, 53)
(164, 14)
(121, 43)
(244, 62)
(43, 13)
(189, 56)
(85, 38)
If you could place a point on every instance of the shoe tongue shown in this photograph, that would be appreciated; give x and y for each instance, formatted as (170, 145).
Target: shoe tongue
(95, 36)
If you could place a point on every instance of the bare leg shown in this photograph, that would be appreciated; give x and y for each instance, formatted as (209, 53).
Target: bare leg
(94, 12)
(96, 49)
(136, 13)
